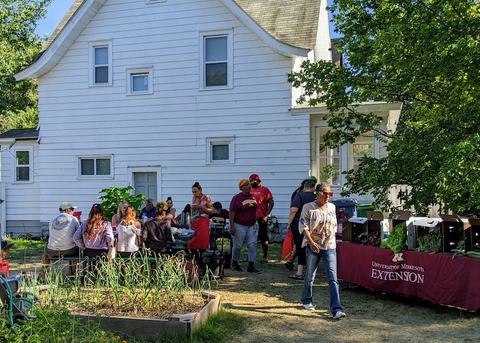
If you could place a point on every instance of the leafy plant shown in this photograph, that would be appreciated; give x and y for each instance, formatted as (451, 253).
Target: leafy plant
(115, 195)
(397, 241)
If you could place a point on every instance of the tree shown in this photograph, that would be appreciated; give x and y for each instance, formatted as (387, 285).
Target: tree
(424, 54)
(19, 44)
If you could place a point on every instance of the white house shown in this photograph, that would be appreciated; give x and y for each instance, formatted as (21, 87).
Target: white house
(159, 94)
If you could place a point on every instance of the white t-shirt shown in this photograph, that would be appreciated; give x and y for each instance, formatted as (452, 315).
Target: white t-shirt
(127, 237)
(61, 229)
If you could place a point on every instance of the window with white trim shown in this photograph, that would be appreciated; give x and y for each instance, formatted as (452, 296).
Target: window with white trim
(23, 165)
(95, 167)
(220, 150)
(140, 81)
(217, 60)
(100, 59)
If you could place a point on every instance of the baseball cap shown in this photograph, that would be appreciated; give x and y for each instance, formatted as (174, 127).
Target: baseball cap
(255, 177)
(150, 200)
(66, 205)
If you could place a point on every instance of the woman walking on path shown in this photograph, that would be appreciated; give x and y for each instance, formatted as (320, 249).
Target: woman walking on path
(318, 222)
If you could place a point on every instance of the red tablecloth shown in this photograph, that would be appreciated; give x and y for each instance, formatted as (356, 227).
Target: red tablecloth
(434, 277)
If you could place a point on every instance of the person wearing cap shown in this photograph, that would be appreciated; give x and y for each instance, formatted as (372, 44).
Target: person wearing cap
(149, 210)
(242, 217)
(60, 235)
(265, 202)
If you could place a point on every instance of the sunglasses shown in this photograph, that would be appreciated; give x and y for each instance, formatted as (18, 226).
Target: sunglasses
(330, 194)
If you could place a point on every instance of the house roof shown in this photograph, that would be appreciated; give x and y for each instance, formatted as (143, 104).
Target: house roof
(290, 27)
(292, 22)
(20, 134)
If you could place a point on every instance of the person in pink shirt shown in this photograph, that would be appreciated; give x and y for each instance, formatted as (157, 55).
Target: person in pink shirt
(265, 202)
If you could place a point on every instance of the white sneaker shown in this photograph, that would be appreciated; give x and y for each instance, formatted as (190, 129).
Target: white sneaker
(309, 307)
(339, 314)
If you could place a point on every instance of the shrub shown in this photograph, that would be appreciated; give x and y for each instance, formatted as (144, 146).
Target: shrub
(115, 195)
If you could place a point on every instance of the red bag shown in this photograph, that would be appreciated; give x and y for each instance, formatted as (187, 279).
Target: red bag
(287, 245)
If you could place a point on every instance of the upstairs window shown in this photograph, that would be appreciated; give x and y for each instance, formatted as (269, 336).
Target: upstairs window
(217, 63)
(101, 64)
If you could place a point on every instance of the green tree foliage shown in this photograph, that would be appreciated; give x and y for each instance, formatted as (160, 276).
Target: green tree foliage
(19, 44)
(425, 55)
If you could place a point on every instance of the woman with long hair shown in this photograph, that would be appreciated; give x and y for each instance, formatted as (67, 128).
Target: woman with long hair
(171, 209)
(95, 234)
(157, 232)
(201, 208)
(129, 232)
(120, 215)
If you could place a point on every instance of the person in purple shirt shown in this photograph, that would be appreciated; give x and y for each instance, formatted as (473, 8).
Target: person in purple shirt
(95, 235)
(243, 208)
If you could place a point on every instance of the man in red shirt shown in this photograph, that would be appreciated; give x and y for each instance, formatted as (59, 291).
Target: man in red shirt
(265, 202)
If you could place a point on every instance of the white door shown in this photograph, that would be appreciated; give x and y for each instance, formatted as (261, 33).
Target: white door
(146, 184)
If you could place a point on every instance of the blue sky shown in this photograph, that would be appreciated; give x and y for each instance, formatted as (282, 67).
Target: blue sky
(56, 11)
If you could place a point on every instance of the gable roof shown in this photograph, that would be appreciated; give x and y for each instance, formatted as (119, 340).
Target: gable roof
(289, 27)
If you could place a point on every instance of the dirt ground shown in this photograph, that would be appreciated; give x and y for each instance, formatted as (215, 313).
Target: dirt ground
(271, 302)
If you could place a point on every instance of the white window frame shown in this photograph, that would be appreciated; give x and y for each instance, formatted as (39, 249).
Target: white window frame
(131, 72)
(212, 34)
(211, 142)
(91, 62)
(94, 157)
(29, 165)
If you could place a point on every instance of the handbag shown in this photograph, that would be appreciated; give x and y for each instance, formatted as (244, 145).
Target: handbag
(287, 245)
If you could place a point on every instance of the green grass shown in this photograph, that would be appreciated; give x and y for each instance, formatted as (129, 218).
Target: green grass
(26, 250)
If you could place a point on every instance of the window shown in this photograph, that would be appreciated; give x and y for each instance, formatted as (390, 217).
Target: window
(101, 63)
(23, 165)
(99, 167)
(328, 160)
(362, 146)
(140, 81)
(217, 63)
(220, 150)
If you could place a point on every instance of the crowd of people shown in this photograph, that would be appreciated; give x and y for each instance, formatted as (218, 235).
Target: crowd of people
(312, 220)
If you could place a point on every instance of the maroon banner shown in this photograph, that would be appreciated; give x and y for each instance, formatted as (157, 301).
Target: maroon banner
(434, 277)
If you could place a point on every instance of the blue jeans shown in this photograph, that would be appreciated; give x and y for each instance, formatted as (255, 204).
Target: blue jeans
(329, 258)
(248, 234)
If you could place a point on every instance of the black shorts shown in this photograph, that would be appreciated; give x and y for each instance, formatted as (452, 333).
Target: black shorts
(262, 230)
(49, 253)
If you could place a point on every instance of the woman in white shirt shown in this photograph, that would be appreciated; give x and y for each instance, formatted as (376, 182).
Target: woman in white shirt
(129, 233)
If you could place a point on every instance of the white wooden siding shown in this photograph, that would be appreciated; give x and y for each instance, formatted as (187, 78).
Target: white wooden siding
(169, 127)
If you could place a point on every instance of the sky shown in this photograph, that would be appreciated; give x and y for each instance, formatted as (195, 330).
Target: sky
(55, 13)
